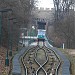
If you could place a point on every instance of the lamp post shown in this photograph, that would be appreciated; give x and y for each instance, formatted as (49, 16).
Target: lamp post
(33, 28)
(27, 36)
(18, 40)
(7, 56)
(1, 21)
(24, 30)
(18, 35)
(24, 37)
(32, 34)
(10, 37)
(1, 27)
(7, 59)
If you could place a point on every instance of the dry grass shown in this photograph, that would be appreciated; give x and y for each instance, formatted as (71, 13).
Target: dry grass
(41, 57)
(70, 53)
(3, 69)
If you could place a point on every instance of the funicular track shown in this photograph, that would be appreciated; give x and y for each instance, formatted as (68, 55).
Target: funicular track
(40, 61)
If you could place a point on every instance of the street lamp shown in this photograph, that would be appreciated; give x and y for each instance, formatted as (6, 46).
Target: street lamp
(7, 56)
(10, 37)
(33, 31)
(18, 35)
(1, 27)
(24, 30)
(2, 11)
(32, 34)
(1, 21)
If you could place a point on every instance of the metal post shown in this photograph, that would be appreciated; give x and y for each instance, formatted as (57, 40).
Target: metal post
(4, 10)
(17, 41)
(0, 29)
(24, 38)
(28, 39)
(18, 36)
(10, 36)
(7, 57)
(7, 60)
(30, 36)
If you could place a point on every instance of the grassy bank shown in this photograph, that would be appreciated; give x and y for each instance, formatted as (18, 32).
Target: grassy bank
(70, 54)
(3, 69)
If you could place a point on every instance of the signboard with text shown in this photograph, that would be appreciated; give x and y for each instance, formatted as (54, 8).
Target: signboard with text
(41, 33)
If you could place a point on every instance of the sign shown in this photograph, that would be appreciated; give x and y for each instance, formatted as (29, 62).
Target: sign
(40, 36)
(41, 33)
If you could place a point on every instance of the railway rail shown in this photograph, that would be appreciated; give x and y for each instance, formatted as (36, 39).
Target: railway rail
(46, 60)
(40, 61)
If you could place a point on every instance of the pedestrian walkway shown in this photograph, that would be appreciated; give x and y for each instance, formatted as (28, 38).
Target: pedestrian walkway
(66, 63)
(16, 70)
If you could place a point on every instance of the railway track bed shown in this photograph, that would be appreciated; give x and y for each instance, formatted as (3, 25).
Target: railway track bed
(40, 61)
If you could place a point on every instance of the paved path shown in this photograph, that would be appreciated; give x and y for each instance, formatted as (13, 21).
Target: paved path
(66, 63)
(16, 63)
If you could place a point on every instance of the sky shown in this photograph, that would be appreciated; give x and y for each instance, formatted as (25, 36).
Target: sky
(45, 3)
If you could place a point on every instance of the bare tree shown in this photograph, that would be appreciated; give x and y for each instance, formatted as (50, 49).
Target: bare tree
(65, 28)
(21, 11)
